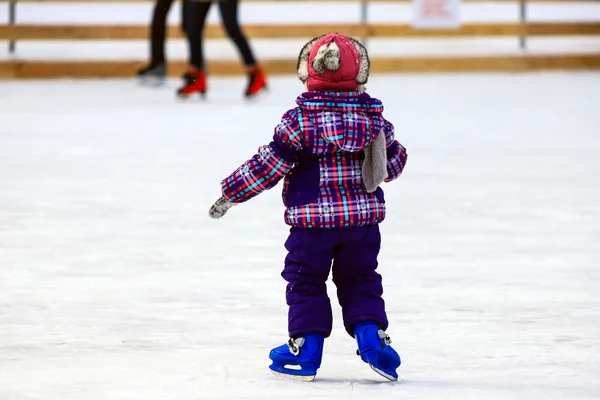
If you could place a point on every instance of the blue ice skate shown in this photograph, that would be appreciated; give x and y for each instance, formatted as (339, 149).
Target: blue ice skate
(299, 358)
(374, 349)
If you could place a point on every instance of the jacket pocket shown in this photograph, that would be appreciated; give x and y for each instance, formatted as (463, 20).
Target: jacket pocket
(302, 183)
(379, 195)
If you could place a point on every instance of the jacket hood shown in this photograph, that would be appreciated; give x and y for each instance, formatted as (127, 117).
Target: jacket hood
(349, 120)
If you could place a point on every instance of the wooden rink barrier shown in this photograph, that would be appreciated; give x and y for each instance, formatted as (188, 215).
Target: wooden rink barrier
(15, 32)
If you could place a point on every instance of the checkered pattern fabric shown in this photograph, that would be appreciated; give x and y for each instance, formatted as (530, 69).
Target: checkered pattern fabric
(317, 149)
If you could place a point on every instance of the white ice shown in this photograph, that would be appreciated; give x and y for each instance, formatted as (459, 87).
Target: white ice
(115, 284)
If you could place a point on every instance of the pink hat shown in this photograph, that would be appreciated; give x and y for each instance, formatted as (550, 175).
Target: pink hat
(333, 62)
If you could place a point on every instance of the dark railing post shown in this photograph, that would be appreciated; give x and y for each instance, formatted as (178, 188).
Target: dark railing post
(523, 20)
(12, 14)
(364, 16)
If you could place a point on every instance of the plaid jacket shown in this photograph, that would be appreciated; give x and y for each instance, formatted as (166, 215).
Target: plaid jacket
(317, 149)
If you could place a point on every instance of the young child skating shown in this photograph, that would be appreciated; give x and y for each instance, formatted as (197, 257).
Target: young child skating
(332, 150)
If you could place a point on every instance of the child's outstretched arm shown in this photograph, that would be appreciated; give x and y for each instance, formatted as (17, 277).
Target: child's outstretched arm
(264, 170)
(396, 153)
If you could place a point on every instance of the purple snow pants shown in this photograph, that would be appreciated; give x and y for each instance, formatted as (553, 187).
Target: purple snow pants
(354, 254)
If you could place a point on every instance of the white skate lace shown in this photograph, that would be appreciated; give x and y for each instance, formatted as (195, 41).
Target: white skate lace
(295, 345)
(382, 335)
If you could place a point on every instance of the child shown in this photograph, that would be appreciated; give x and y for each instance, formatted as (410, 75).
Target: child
(333, 150)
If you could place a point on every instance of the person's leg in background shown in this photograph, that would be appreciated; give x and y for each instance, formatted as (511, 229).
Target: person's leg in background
(194, 21)
(157, 65)
(184, 6)
(256, 77)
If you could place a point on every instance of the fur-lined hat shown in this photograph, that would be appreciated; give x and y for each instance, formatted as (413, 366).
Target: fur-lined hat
(333, 62)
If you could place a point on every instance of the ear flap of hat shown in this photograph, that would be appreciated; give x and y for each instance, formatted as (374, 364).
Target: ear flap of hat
(302, 66)
(365, 63)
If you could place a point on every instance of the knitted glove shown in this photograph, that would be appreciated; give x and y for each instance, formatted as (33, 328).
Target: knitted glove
(221, 206)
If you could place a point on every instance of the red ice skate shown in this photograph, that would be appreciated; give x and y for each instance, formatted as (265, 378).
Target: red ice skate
(257, 81)
(195, 82)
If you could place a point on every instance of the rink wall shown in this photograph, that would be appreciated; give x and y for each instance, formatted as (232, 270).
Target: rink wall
(108, 38)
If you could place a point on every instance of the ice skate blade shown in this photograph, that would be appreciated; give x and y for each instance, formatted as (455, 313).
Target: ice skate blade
(302, 378)
(256, 97)
(151, 82)
(384, 374)
(190, 97)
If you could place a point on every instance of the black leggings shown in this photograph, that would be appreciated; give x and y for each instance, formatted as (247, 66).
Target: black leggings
(195, 18)
(158, 29)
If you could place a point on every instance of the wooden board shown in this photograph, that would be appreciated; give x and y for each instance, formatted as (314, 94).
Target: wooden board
(303, 31)
(126, 69)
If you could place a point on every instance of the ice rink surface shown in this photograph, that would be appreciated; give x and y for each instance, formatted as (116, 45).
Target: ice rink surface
(114, 283)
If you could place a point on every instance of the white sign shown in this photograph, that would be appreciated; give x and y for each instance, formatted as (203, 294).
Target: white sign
(436, 14)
